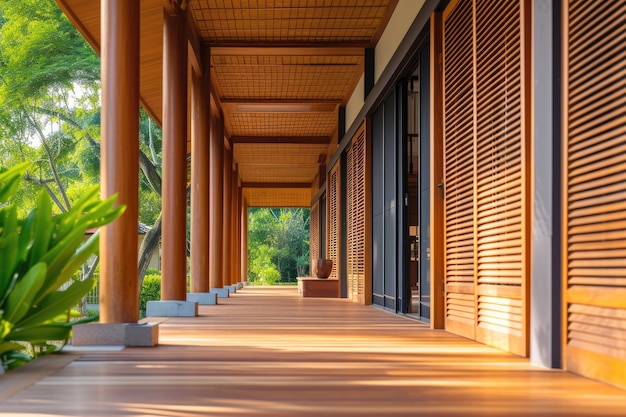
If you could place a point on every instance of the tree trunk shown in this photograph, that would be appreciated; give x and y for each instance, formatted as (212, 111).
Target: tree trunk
(148, 246)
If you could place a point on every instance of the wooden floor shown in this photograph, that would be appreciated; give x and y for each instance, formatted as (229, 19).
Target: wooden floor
(267, 352)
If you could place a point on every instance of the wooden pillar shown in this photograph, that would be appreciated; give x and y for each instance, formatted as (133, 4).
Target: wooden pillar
(174, 235)
(216, 181)
(228, 174)
(244, 239)
(119, 153)
(234, 254)
(240, 240)
(200, 118)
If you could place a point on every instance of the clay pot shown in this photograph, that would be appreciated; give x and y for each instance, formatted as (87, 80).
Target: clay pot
(324, 268)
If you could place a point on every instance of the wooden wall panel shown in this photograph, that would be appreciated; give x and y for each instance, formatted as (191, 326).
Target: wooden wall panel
(500, 175)
(594, 192)
(356, 216)
(314, 239)
(486, 171)
(459, 169)
(333, 219)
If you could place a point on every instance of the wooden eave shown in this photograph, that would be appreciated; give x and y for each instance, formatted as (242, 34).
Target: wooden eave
(277, 72)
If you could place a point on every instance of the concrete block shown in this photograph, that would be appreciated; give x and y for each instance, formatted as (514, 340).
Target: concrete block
(99, 334)
(142, 334)
(202, 298)
(172, 308)
(231, 288)
(115, 334)
(221, 292)
(239, 285)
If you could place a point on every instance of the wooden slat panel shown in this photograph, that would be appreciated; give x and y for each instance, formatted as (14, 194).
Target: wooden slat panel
(333, 219)
(485, 171)
(314, 231)
(500, 171)
(459, 168)
(595, 188)
(356, 224)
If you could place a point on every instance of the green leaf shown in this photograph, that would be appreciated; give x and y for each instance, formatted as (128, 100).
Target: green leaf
(10, 346)
(56, 303)
(20, 299)
(41, 333)
(26, 236)
(9, 181)
(64, 252)
(43, 226)
(80, 257)
(8, 249)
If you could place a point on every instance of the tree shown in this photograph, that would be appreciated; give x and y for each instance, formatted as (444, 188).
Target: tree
(278, 244)
(50, 113)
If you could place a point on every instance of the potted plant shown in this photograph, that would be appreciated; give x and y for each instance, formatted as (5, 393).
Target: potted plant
(38, 257)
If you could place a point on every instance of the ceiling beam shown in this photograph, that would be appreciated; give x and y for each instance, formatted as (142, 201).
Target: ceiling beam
(281, 140)
(279, 106)
(289, 50)
(275, 185)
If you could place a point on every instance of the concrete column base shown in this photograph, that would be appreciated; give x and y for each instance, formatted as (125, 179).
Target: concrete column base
(171, 308)
(202, 298)
(115, 334)
(221, 292)
(231, 288)
(239, 285)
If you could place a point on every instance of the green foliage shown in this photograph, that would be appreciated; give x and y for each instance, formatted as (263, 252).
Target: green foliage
(39, 255)
(41, 50)
(150, 290)
(278, 245)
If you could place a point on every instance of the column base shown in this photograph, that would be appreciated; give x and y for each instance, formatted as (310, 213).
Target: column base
(239, 285)
(202, 298)
(171, 308)
(115, 334)
(221, 292)
(231, 288)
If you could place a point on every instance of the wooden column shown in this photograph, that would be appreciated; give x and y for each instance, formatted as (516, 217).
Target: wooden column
(240, 240)
(174, 236)
(234, 254)
(228, 174)
(244, 239)
(216, 181)
(119, 153)
(200, 118)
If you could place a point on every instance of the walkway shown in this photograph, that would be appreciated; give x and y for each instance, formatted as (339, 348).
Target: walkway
(267, 352)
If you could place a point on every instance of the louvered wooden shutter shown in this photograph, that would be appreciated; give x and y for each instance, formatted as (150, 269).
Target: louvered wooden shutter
(350, 232)
(500, 175)
(333, 219)
(314, 231)
(595, 188)
(485, 172)
(459, 168)
(356, 223)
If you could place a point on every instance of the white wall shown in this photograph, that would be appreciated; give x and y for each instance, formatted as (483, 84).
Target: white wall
(355, 104)
(403, 16)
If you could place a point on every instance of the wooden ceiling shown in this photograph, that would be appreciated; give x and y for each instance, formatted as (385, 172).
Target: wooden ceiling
(280, 70)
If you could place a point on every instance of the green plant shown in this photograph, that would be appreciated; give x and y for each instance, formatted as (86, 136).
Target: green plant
(38, 257)
(150, 290)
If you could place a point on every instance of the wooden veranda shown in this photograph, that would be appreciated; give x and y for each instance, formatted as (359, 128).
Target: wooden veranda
(267, 352)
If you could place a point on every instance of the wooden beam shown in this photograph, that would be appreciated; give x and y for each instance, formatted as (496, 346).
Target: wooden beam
(275, 185)
(195, 46)
(304, 49)
(280, 140)
(279, 106)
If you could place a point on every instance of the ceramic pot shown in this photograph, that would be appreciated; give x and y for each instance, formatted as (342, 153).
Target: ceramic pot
(324, 268)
